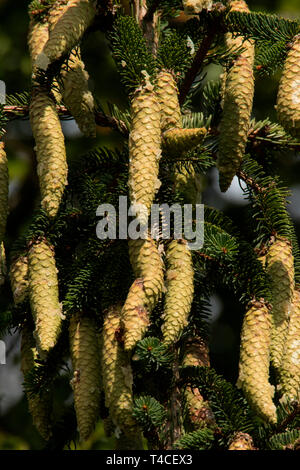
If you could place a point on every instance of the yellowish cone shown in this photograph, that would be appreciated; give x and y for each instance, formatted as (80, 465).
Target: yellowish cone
(177, 141)
(180, 289)
(241, 441)
(3, 268)
(192, 7)
(77, 96)
(86, 382)
(255, 360)
(290, 365)
(18, 275)
(117, 374)
(288, 98)
(144, 292)
(50, 150)
(237, 106)
(280, 268)
(67, 31)
(38, 35)
(167, 93)
(144, 150)
(39, 404)
(43, 293)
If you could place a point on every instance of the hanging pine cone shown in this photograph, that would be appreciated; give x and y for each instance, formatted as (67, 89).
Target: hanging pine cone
(177, 141)
(38, 35)
(39, 404)
(241, 441)
(117, 374)
(180, 289)
(167, 93)
(144, 150)
(255, 360)
(86, 382)
(290, 365)
(50, 150)
(237, 106)
(43, 293)
(280, 268)
(67, 32)
(144, 292)
(18, 275)
(288, 98)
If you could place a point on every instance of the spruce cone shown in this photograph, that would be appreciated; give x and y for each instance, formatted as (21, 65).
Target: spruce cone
(280, 268)
(242, 441)
(288, 99)
(19, 279)
(50, 150)
(290, 365)
(177, 141)
(167, 93)
(255, 360)
(67, 31)
(180, 289)
(43, 293)
(237, 106)
(39, 404)
(144, 292)
(117, 375)
(144, 150)
(86, 382)
(38, 35)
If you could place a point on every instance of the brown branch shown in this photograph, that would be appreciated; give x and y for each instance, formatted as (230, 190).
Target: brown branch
(295, 412)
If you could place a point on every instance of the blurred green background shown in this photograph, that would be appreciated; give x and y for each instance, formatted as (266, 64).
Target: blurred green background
(16, 430)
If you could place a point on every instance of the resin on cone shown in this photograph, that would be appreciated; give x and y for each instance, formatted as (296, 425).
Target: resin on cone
(255, 361)
(67, 32)
(290, 364)
(180, 289)
(86, 382)
(288, 98)
(237, 106)
(43, 293)
(117, 374)
(18, 275)
(39, 404)
(280, 269)
(50, 150)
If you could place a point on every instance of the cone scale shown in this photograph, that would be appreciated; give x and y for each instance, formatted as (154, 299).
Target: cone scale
(19, 279)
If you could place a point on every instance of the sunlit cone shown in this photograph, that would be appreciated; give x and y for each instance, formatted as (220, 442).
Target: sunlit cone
(290, 365)
(288, 98)
(241, 441)
(144, 150)
(18, 275)
(39, 404)
(38, 35)
(177, 141)
(255, 360)
(86, 382)
(180, 289)
(167, 93)
(280, 268)
(237, 106)
(43, 293)
(67, 31)
(117, 374)
(195, 6)
(50, 150)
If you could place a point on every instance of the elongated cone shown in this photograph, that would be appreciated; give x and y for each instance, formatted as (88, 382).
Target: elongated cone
(43, 293)
(77, 96)
(237, 106)
(167, 93)
(241, 441)
(180, 289)
(290, 365)
(195, 6)
(3, 207)
(196, 355)
(38, 35)
(144, 292)
(67, 32)
(288, 98)
(177, 141)
(50, 150)
(18, 275)
(117, 374)
(39, 404)
(86, 382)
(255, 360)
(280, 268)
(144, 150)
